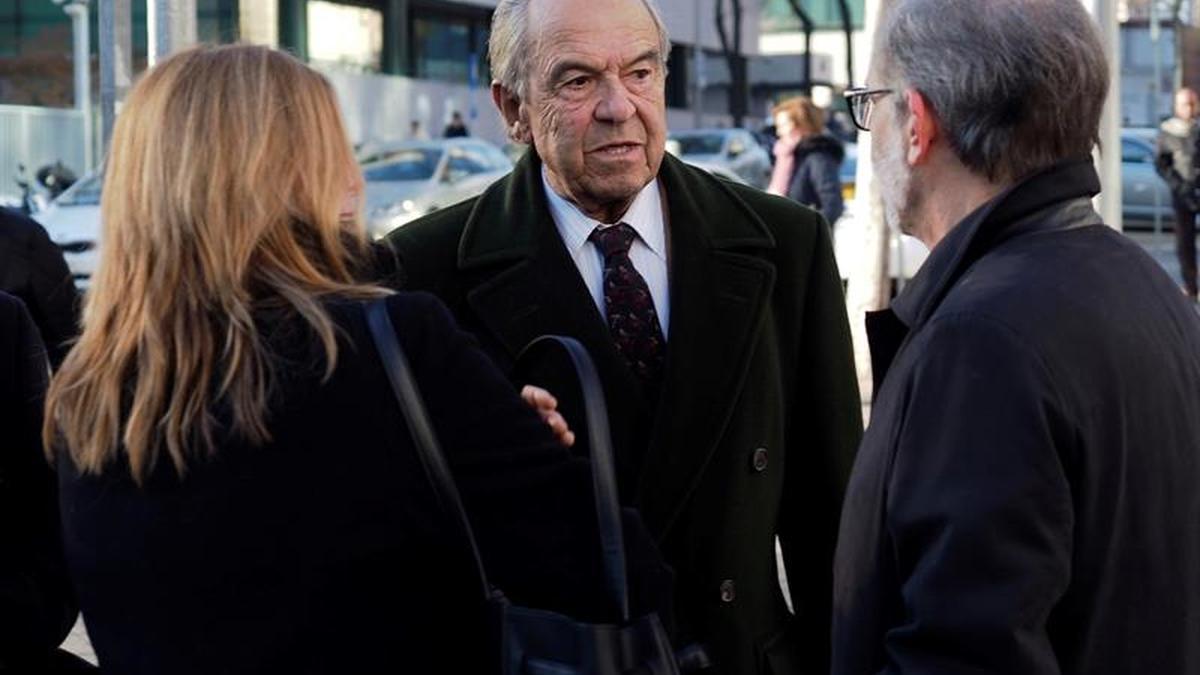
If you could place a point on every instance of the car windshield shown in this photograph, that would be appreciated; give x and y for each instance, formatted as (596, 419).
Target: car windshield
(84, 193)
(412, 164)
(699, 144)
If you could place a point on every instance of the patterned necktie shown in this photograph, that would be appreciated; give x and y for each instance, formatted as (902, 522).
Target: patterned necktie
(632, 319)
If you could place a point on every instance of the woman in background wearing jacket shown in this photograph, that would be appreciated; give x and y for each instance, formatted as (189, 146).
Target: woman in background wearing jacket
(240, 493)
(806, 159)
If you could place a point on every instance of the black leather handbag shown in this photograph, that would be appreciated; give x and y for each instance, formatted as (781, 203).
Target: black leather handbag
(534, 641)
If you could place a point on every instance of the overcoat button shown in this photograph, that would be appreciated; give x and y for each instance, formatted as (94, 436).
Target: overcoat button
(759, 460)
(727, 591)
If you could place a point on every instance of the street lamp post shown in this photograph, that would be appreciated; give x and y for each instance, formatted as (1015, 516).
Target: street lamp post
(116, 67)
(78, 11)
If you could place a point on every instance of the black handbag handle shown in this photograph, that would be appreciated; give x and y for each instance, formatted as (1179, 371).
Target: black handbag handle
(608, 509)
(604, 480)
(404, 385)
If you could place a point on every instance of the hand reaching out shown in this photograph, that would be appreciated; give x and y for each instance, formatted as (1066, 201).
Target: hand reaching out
(547, 408)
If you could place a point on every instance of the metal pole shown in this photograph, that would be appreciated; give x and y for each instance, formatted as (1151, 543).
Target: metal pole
(170, 26)
(1109, 158)
(116, 47)
(78, 11)
(698, 67)
(1155, 98)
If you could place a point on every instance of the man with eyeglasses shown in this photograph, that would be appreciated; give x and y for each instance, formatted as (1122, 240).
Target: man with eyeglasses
(1025, 498)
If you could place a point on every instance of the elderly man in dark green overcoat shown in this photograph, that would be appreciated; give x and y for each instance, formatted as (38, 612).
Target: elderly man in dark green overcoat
(714, 312)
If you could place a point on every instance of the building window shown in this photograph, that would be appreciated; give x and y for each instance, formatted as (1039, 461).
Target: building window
(345, 36)
(677, 76)
(779, 17)
(449, 47)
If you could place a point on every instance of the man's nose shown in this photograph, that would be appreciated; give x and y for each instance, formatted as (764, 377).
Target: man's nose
(615, 104)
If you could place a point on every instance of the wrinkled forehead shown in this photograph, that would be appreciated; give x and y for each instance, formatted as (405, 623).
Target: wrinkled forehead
(600, 28)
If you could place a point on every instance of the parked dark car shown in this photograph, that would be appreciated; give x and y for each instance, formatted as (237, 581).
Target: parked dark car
(1143, 191)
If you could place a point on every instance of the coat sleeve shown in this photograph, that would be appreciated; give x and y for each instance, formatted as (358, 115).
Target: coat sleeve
(528, 499)
(1164, 164)
(37, 606)
(979, 510)
(54, 300)
(825, 427)
(828, 185)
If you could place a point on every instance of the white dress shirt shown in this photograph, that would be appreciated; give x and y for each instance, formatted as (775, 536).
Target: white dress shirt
(648, 252)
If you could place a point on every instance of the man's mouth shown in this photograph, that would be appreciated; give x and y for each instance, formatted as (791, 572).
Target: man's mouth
(617, 150)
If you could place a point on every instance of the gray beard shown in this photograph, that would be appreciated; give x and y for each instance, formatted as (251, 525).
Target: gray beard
(894, 178)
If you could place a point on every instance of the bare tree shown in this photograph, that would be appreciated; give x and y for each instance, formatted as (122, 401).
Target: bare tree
(732, 50)
(806, 25)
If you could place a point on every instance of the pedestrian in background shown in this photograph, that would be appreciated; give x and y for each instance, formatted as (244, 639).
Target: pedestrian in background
(1025, 498)
(240, 492)
(456, 128)
(1176, 162)
(33, 269)
(807, 160)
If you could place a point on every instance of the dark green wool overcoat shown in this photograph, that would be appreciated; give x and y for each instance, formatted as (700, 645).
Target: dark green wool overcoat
(753, 432)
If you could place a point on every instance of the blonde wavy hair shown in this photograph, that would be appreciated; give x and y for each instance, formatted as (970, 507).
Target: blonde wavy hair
(223, 193)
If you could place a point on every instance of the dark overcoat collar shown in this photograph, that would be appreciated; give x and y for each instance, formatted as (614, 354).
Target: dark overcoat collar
(1063, 189)
(721, 281)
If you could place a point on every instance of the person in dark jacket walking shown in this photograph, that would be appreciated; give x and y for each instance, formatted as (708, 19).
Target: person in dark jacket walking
(456, 128)
(1176, 160)
(1025, 498)
(33, 269)
(240, 492)
(37, 605)
(807, 160)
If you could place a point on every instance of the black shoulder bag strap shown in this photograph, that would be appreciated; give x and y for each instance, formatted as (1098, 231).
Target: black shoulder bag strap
(608, 510)
(404, 385)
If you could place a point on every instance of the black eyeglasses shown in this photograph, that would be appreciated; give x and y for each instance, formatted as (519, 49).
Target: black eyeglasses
(862, 102)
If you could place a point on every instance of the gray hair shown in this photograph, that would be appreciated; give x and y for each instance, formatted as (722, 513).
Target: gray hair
(510, 51)
(1017, 85)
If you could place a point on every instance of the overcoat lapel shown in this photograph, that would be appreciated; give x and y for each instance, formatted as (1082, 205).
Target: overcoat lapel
(720, 289)
(527, 285)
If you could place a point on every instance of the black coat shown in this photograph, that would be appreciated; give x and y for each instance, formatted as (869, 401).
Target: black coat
(324, 551)
(754, 432)
(816, 179)
(33, 269)
(37, 608)
(1026, 497)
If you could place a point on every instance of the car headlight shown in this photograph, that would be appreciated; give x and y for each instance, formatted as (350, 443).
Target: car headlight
(397, 209)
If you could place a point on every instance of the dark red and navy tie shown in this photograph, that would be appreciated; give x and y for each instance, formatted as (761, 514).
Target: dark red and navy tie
(632, 319)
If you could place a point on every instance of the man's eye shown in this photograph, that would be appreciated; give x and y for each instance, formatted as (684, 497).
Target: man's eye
(578, 82)
(643, 73)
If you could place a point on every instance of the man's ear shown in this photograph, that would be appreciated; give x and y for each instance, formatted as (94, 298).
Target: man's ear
(922, 128)
(513, 113)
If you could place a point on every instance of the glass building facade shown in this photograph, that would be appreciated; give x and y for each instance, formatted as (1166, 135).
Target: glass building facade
(779, 17)
(426, 39)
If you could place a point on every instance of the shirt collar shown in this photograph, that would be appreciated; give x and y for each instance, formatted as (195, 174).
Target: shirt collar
(645, 216)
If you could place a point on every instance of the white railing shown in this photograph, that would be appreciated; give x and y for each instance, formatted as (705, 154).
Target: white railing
(38, 136)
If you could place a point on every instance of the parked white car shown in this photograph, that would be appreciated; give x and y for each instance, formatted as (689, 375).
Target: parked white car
(735, 149)
(412, 178)
(73, 223)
